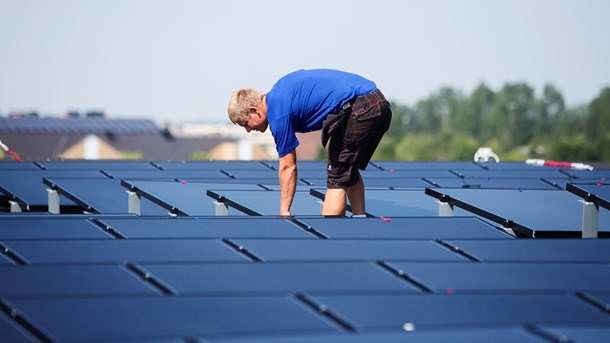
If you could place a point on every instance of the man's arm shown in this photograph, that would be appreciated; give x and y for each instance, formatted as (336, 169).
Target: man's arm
(288, 181)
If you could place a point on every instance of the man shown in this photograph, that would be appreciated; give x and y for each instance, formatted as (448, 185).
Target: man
(349, 109)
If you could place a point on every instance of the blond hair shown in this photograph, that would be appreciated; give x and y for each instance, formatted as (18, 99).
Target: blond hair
(241, 101)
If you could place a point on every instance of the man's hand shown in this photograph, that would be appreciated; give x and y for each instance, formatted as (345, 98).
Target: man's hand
(287, 175)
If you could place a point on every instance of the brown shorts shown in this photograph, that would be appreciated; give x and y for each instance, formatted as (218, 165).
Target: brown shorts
(361, 125)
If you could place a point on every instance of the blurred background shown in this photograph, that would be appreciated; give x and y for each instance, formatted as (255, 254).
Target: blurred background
(151, 79)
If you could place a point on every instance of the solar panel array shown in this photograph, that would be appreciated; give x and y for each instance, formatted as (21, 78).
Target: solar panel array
(102, 251)
(77, 125)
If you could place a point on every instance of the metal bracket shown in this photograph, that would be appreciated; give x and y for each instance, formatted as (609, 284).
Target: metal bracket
(53, 196)
(134, 203)
(221, 208)
(15, 206)
(445, 209)
(590, 219)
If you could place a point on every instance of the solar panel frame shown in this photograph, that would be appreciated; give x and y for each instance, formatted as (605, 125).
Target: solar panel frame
(598, 193)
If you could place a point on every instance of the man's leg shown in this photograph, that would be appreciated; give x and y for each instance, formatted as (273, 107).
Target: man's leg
(334, 202)
(355, 194)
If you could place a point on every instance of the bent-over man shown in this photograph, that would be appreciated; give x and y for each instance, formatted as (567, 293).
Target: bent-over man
(349, 109)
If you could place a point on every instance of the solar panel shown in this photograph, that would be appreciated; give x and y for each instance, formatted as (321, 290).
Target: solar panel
(207, 227)
(425, 165)
(140, 317)
(405, 228)
(27, 188)
(525, 250)
(58, 281)
(181, 198)
(601, 175)
(120, 250)
(346, 250)
(379, 183)
(535, 213)
(397, 203)
(9, 165)
(512, 174)
(257, 203)
(167, 174)
(25, 228)
(482, 335)
(460, 278)
(211, 165)
(264, 278)
(99, 195)
(96, 165)
(492, 183)
(382, 310)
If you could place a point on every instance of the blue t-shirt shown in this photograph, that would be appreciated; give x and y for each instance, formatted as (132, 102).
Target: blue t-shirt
(300, 101)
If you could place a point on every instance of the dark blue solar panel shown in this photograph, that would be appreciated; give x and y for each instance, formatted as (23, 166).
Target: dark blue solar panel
(276, 277)
(27, 186)
(183, 198)
(574, 333)
(267, 202)
(538, 250)
(77, 125)
(13, 165)
(425, 165)
(470, 335)
(493, 183)
(99, 195)
(379, 183)
(121, 250)
(246, 227)
(368, 311)
(24, 228)
(405, 228)
(46, 281)
(97, 165)
(458, 278)
(302, 165)
(167, 174)
(398, 203)
(212, 165)
(303, 174)
(347, 250)
(512, 174)
(530, 212)
(600, 175)
(510, 166)
(121, 318)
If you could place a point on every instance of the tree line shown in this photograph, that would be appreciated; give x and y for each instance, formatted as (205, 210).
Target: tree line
(515, 122)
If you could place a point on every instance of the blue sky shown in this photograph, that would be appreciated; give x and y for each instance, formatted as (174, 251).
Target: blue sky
(179, 60)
